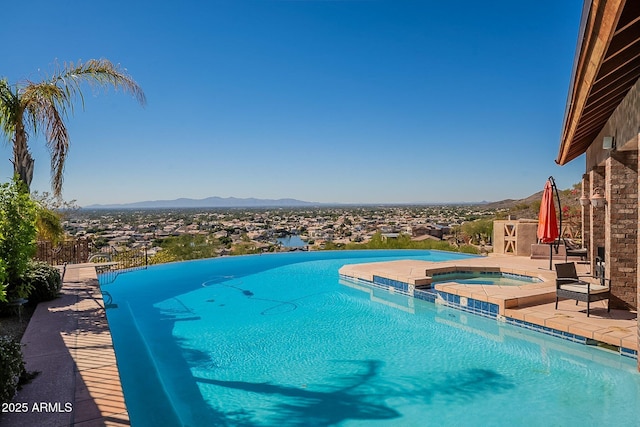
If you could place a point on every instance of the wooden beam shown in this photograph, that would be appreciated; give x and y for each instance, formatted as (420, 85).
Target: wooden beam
(619, 61)
(623, 40)
(605, 100)
(597, 35)
(627, 76)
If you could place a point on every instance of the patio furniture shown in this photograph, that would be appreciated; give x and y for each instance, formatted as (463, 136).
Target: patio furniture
(600, 266)
(572, 249)
(569, 285)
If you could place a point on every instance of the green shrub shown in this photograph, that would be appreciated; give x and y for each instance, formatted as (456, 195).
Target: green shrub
(469, 249)
(3, 279)
(12, 370)
(44, 281)
(17, 237)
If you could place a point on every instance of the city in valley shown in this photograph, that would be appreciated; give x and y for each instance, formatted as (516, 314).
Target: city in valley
(244, 230)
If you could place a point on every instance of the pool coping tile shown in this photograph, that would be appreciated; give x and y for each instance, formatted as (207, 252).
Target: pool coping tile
(532, 303)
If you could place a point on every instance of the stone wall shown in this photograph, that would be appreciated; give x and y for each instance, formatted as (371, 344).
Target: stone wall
(615, 227)
(585, 215)
(514, 237)
(597, 216)
(621, 227)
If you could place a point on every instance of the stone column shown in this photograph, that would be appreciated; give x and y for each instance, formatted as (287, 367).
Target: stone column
(621, 228)
(638, 260)
(596, 216)
(585, 224)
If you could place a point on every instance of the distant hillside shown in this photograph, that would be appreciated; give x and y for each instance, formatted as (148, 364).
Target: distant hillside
(529, 207)
(209, 202)
(511, 203)
(522, 208)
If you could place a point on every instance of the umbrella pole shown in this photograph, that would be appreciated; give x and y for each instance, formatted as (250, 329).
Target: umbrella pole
(560, 236)
(555, 189)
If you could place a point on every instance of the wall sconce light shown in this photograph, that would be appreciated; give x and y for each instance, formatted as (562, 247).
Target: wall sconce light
(608, 143)
(597, 198)
(584, 200)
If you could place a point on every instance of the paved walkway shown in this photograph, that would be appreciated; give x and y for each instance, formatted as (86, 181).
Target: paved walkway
(68, 341)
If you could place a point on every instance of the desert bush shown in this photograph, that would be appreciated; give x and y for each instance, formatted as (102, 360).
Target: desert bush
(478, 230)
(469, 249)
(403, 241)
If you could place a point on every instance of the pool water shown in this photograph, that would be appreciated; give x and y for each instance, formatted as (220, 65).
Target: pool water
(280, 340)
(484, 278)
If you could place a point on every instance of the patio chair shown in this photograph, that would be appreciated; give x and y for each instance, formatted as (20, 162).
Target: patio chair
(572, 249)
(569, 285)
(600, 266)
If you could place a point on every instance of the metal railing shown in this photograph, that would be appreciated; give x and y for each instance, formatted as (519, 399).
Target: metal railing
(114, 261)
(111, 261)
(68, 252)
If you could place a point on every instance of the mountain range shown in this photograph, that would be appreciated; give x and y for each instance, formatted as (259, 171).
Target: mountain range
(209, 202)
(234, 202)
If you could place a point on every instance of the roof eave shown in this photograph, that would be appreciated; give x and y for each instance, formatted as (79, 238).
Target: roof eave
(598, 22)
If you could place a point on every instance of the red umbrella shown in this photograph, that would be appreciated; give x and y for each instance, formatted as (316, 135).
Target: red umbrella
(547, 222)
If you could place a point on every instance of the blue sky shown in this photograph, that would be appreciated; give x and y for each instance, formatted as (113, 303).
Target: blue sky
(380, 101)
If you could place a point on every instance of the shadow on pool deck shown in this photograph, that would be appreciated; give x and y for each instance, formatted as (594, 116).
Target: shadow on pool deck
(69, 343)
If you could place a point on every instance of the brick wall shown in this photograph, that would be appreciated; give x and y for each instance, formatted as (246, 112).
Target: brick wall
(624, 125)
(597, 215)
(585, 231)
(621, 227)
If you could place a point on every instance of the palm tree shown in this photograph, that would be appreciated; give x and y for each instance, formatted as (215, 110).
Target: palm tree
(30, 106)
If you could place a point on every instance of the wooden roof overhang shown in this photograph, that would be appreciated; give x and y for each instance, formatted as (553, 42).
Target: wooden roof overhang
(606, 66)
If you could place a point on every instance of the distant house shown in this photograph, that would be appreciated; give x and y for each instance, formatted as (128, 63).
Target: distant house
(421, 230)
(387, 236)
(434, 230)
(220, 234)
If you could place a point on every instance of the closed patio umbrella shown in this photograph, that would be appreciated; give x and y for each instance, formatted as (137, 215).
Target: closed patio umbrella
(548, 231)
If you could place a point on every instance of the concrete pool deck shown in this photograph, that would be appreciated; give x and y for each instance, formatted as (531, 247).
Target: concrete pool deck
(533, 303)
(68, 340)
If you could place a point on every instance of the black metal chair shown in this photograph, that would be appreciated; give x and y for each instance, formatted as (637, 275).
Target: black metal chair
(571, 249)
(570, 286)
(600, 266)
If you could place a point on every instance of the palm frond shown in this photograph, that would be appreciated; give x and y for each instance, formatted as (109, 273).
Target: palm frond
(38, 98)
(8, 109)
(45, 104)
(95, 72)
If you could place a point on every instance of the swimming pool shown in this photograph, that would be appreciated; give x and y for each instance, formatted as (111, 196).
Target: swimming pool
(279, 340)
(484, 278)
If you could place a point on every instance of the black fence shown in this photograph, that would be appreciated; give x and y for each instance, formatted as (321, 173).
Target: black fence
(67, 252)
(113, 261)
(110, 261)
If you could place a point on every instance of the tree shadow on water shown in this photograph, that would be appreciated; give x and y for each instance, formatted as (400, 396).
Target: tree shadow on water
(465, 385)
(363, 395)
(305, 407)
